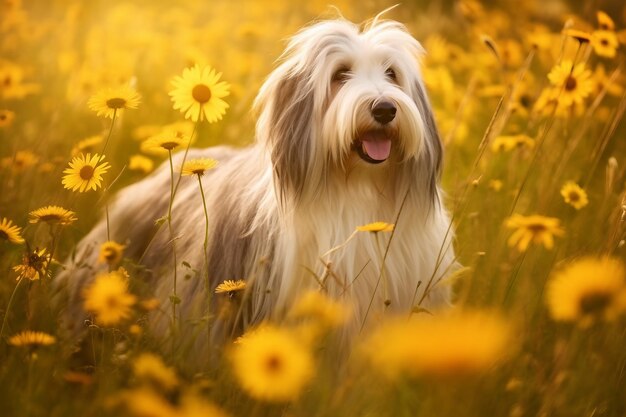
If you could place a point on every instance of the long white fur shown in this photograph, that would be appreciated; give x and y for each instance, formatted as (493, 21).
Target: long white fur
(276, 207)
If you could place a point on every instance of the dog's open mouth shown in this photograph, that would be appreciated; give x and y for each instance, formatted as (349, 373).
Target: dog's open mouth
(373, 146)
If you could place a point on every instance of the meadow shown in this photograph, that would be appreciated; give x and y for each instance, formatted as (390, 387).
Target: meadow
(529, 99)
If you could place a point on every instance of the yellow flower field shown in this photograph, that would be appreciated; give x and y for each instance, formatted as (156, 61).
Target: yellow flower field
(529, 98)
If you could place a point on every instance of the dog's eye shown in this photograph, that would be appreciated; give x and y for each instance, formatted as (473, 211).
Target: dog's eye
(391, 74)
(341, 75)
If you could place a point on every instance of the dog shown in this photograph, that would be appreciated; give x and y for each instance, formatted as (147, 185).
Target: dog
(345, 137)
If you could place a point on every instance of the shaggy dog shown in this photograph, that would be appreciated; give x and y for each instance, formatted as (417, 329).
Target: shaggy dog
(345, 137)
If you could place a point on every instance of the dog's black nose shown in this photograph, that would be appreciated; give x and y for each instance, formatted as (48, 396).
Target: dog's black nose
(384, 112)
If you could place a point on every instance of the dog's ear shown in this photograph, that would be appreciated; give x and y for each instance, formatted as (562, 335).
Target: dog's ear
(432, 154)
(285, 103)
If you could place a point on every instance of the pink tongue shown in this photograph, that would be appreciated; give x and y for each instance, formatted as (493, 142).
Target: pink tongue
(377, 148)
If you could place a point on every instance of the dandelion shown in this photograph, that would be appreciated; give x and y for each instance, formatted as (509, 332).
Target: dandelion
(87, 145)
(6, 118)
(376, 227)
(140, 163)
(604, 43)
(10, 232)
(270, 364)
(198, 166)
(451, 345)
(53, 215)
(574, 84)
(32, 339)
(109, 101)
(108, 298)
(111, 252)
(85, 173)
(149, 367)
(587, 290)
(35, 265)
(230, 287)
(198, 93)
(535, 228)
(574, 195)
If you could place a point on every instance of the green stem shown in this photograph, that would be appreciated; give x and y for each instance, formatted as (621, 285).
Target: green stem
(6, 313)
(106, 142)
(169, 224)
(207, 287)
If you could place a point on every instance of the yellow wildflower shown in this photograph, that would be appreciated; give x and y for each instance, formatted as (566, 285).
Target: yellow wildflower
(535, 228)
(272, 365)
(10, 232)
(110, 101)
(198, 93)
(587, 290)
(85, 173)
(108, 298)
(574, 195)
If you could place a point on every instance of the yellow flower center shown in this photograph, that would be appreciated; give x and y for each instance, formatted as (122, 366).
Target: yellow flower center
(3, 116)
(594, 303)
(86, 172)
(116, 103)
(4, 235)
(201, 93)
(570, 83)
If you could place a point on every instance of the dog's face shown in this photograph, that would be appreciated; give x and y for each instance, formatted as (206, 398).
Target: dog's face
(347, 97)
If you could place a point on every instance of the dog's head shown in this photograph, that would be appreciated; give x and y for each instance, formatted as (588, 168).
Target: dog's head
(343, 96)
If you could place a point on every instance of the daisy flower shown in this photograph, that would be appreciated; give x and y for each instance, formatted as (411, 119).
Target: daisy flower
(34, 265)
(450, 345)
(6, 118)
(604, 43)
(87, 145)
(108, 101)
(10, 232)
(230, 287)
(535, 228)
(198, 166)
(149, 367)
(108, 298)
(604, 21)
(198, 93)
(111, 252)
(164, 142)
(29, 338)
(21, 161)
(141, 164)
(52, 215)
(574, 195)
(272, 365)
(587, 290)
(574, 84)
(85, 173)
